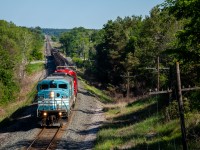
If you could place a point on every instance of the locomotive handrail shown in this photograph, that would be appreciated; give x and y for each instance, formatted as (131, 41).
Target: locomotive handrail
(52, 103)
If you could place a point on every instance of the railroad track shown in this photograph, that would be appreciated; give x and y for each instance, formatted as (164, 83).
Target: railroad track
(46, 139)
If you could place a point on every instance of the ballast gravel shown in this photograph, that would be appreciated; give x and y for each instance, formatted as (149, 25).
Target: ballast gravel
(84, 125)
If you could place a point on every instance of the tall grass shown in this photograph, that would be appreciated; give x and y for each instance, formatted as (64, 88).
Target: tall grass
(32, 68)
(98, 93)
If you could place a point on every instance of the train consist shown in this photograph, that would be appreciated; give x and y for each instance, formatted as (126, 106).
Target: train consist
(57, 94)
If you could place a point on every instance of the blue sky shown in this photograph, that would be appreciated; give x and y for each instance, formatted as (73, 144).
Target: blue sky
(92, 14)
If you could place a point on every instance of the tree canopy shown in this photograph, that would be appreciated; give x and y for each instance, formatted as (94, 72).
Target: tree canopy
(18, 45)
(133, 44)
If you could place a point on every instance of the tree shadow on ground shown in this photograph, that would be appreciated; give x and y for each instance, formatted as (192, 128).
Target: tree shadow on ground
(136, 116)
(87, 111)
(23, 119)
(86, 93)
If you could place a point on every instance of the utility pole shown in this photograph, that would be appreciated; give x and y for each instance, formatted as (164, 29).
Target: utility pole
(128, 83)
(158, 72)
(181, 109)
(180, 104)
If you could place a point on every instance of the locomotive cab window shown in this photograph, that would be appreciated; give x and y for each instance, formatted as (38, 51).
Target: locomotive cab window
(44, 87)
(53, 85)
(62, 86)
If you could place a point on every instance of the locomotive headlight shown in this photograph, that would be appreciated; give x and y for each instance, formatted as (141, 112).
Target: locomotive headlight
(52, 94)
(45, 114)
(60, 113)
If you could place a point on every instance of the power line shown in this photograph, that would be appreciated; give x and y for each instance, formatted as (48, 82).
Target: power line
(128, 83)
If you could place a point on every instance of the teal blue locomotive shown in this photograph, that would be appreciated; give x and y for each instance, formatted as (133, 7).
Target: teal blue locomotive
(55, 99)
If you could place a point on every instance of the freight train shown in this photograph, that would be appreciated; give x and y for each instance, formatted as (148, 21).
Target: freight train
(56, 96)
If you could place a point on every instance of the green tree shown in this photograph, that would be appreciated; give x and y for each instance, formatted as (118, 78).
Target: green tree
(117, 50)
(187, 49)
(16, 44)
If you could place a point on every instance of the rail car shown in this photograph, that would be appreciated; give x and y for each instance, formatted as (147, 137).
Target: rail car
(55, 99)
(69, 70)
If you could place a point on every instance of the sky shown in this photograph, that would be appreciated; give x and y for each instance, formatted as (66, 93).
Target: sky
(67, 14)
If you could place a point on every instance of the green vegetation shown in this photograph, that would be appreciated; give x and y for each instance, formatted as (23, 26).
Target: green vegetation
(78, 61)
(78, 43)
(142, 125)
(18, 45)
(53, 38)
(100, 94)
(132, 44)
(54, 32)
(33, 68)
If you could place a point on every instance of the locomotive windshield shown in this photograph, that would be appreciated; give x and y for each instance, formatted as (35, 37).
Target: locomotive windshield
(44, 87)
(62, 86)
(53, 85)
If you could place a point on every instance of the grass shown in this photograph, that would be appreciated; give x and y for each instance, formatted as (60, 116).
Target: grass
(99, 93)
(128, 109)
(140, 126)
(32, 68)
(56, 44)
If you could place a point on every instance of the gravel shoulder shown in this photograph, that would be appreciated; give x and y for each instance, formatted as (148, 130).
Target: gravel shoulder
(87, 117)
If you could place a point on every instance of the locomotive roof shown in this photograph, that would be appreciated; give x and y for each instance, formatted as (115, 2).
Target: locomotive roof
(60, 75)
(67, 78)
(57, 78)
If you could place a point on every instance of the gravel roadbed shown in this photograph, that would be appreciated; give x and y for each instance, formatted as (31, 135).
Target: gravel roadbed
(84, 125)
(21, 131)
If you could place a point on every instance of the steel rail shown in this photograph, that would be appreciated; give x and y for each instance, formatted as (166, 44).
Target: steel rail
(54, 137)
(42, 137)
(35, 139)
